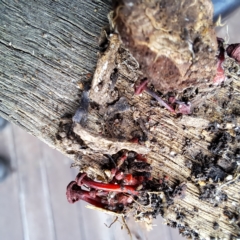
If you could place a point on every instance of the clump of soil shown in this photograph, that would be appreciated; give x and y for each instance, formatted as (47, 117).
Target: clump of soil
(211, 194)
(184, 230)
(204, 168)
(173, 42)
(233, 217)
(220, 164)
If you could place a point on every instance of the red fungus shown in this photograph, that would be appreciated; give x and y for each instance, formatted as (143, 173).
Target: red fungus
(94, 193)
(121, 198)
(184, 108)
(139, 89)
(154, 95)
(233, 51)
(140, 157)
(75, 193)
(129, 179)
(220, 76)
(113, 196)
(143, 86)
(121, 160)
(82, 179)
(134, 140)
(119, 175)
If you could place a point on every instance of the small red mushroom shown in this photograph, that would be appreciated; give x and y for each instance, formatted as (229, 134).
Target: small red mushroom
(114, 196)
(233, 51)
(119, 175)
(75, 193)
(139, 89)
(121, 160)
(184, 108)
(134, 140)
(82, 179)
(121, 198)
(129, 179)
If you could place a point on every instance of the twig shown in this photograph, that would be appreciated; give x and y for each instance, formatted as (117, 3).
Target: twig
(111, 223)
(126, 226)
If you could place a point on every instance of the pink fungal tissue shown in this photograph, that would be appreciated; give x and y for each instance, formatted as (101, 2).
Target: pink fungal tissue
(119, 192)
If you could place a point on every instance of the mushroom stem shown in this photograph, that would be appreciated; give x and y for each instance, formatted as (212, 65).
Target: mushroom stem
(129, 179)
(75, 193)
(154, 95)
(104, 186)
(143, 86)
(140, 157)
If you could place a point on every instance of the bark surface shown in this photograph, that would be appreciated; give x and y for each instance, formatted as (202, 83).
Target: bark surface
(47, 49)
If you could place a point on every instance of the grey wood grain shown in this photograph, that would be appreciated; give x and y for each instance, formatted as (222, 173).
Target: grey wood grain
(46, 49)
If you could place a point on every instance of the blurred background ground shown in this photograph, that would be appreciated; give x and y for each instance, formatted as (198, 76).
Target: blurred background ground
(33, 205)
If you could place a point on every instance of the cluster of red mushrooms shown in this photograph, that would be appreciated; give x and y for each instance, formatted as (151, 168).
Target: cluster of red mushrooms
(113, 196)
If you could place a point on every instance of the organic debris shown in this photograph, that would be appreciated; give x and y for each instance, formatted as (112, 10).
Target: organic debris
(211, 194)
(184, 231)
(183, 108)
(213, 170)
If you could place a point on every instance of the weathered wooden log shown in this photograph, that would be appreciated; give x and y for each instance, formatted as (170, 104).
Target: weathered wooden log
(48, 48)
(49, 52)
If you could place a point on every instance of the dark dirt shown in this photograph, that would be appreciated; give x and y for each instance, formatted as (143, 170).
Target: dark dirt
(221, 161)
(211, 194)
(184, 231)
(215, 226)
